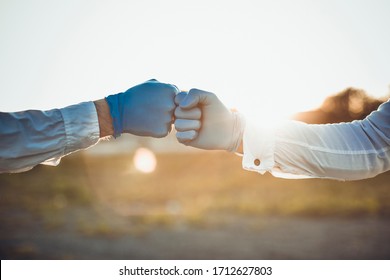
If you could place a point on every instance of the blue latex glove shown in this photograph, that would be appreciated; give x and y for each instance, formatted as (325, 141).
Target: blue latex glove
(203, 121)
(145, 110)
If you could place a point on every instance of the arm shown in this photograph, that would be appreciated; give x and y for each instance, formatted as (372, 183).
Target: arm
(32, 137)
(347, 151)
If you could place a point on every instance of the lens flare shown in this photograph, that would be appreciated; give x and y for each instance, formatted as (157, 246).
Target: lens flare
(144, 160)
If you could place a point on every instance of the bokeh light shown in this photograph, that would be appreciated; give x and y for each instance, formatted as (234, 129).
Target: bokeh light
(144, 160)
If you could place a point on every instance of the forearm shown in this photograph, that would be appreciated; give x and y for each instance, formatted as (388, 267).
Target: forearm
(32, 137)
(347, 151)
(339, 151)
(21, 141)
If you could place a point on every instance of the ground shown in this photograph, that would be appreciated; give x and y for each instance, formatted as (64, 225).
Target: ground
(101, 208)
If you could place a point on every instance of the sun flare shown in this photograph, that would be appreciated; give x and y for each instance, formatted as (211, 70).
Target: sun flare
(144, 160)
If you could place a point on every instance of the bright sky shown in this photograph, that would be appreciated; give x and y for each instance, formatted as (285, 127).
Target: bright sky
(275, 57)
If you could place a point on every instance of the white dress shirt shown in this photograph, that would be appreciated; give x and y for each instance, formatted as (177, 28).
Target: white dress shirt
(345, 151)
(32, 137)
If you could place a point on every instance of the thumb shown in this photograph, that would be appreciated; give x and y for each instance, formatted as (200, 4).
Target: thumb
(196, 97)
(180, 97)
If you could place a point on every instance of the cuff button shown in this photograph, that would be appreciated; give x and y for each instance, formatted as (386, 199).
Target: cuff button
(256, 162)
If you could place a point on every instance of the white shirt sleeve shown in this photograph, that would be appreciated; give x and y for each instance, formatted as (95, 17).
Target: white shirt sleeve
(345, 151)
(32, 137)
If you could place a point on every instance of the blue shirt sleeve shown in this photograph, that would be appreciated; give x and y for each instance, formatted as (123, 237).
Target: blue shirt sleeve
(32, 137)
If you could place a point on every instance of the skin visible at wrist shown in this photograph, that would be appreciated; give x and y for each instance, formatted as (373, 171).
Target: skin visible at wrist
(105, 121)
(240, 149)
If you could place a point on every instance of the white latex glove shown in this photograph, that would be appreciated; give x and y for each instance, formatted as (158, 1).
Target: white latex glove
(203, 121)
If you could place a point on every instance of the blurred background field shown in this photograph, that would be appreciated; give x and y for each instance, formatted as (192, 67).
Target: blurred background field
(102, 204)
(199, 205)
(268, 59)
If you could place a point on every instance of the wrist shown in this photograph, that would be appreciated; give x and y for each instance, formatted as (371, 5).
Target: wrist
(105, 121)
(240, 149)
(237, 132)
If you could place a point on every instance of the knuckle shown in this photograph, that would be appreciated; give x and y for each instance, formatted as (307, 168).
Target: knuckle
(168, 116)
(197, 113)
(161, 133)
(194, 91)
(181, 139)
(179, 97)
(197, 124)
(179, 125)
(177, 112)
(171, 107)
(180, 113)
(171, 89)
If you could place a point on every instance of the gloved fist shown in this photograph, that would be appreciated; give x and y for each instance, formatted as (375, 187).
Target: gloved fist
(144, 110)
(203, 121)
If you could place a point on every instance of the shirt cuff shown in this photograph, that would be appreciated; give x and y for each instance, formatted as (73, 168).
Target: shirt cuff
(259, 147)
(81, 126)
